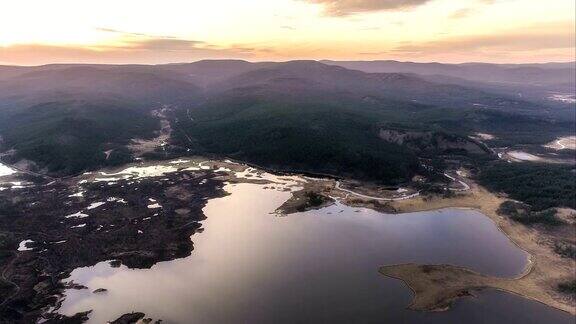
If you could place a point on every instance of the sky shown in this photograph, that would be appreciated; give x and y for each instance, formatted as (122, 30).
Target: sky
(34, 32)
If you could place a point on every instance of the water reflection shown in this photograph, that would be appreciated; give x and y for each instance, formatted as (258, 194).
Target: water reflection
(250, 266)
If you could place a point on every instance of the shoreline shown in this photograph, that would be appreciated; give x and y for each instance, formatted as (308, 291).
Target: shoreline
(543, 271)
(538, 280)
(545, 268)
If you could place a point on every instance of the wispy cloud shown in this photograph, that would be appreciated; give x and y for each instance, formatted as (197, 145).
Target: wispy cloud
(513, 41)
(133, 47)
(533, 43)
(349, 7)
(148, 50)
(461, 13)
(162, 44)
(128, 34)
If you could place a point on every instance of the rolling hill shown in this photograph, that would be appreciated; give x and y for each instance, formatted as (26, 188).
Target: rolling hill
(297, 115)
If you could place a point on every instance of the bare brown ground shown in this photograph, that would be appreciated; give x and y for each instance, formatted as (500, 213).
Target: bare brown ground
(568, 142)
(436, 286)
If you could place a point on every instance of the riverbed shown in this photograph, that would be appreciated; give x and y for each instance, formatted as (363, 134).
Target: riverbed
(250, 265)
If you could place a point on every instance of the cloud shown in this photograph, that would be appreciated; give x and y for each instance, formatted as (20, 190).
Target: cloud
(116, 31)
(507, 42)
(349, 7)
(161, 44)
(127, 34)
(135, 51)
(474, 8)
(127, 47)
(461, 13)
(532, 43)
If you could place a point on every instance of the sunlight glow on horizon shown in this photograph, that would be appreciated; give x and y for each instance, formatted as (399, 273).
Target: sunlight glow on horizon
(131, 31)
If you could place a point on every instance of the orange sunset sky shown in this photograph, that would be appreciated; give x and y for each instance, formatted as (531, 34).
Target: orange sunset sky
(36, 32)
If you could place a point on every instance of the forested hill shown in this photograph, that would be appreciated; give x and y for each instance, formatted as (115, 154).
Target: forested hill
(299, 115)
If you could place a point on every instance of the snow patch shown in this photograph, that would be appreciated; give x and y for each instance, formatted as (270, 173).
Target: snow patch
(22, 245)
(79, 214)
(96, 205)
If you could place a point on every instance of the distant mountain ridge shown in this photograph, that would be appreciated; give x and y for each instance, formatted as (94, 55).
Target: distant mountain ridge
(536, 74)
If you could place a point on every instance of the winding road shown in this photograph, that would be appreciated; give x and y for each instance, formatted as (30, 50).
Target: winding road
(464, 185)
(372, 197)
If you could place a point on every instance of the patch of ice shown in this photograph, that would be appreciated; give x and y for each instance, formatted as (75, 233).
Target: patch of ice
(96, 205)
(22, 245)
(6, 170)
(485, 136)
(118, 200)
(155, 205)
(110, 179)
(286, 181)
(523, 156)
(565, 98)
(179, 161)
(78, 226)
(78, 194)
(144, 172)
(79, 214)
(15, 184)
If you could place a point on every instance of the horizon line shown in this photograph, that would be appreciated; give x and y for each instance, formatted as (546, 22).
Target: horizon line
(285, 61)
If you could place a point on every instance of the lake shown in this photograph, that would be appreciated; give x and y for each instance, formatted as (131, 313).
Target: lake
(250, 265)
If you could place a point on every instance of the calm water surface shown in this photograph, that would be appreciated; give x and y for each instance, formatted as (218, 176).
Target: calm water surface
(251, 266)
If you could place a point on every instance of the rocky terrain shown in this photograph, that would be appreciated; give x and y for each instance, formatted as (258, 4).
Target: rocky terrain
(51, 227)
